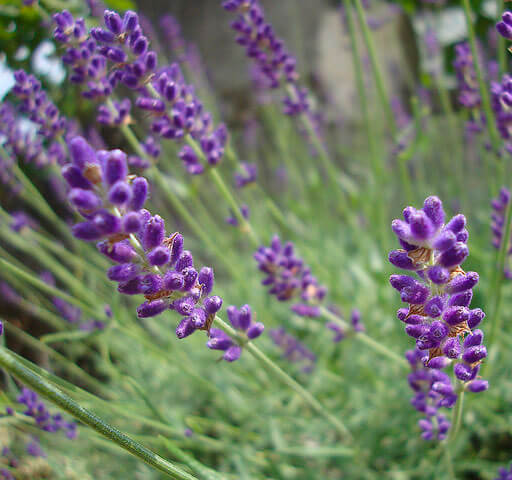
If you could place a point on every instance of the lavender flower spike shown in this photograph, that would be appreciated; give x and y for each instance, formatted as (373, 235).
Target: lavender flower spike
(439, 316)
(499, 206)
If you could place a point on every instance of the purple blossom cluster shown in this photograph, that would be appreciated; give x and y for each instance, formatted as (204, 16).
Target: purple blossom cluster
(22, 142)
(432, 391)
(499, 206)
(469, 94)
(111, 202)
(178, 113)
(501, 97)
(268, 52)
(36, 104)
(233, 220)
(293, 350)
(504, 473)
(122, 49)
(241, 319)
(87, 56)
(504, 27)
(439, 317)
(339, 331)
(247, 176)
(46, 421)
(21, 221)
(289, 278)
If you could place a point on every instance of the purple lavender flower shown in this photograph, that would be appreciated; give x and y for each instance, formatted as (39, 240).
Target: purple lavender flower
(34, 449)
(469, 94)
(6, 475)
(287, 275)
(241, 320)
(20, 221)
(37, 409)
(232, 220)
(501, 96)
(439, 317)
(428, 399)
(499, 206)
(249, 175)
(293, 350)
(504, 473)
(268, 52)
(504, 27)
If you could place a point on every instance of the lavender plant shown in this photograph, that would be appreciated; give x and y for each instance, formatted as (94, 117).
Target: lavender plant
(108, 173)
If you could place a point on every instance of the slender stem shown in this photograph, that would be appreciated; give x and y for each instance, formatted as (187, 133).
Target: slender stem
(182, 210)
(37, 282)
(484, 94)
(289, 381)
(456, 421)
(358, 69)
(456, 418)
(61, 359)
(379, 81)
(55, 395)
(226, 193)
(366, 339)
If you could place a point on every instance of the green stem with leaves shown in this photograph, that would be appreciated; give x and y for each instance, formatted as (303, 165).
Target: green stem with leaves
(59, 398)
(307, 397)
(379, 79)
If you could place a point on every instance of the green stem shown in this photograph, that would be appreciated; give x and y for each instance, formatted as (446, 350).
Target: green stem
(456, 417)
(484, 93)
(379, 81)
(289, 381)
(228, 196)
(37, 282)
(366, 339)
(59, 398)
(61, 359)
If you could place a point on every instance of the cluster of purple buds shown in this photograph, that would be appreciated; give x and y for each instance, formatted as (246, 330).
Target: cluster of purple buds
(469, 94)
(499, 206)
(124, 45)
(504, 27)
(432, 391)
(248, 175)
(439, 315)
(23, 143)
(504, 473)
(118, 115)
(88, 67)
(293, 350)
(267, 51)
(241, 320)
(21, 221)
(177, 113)
(36, 104)
(289, 278)
(149, 262)
(37, 409)
(339, 331)
(501, 95)
(33, 448)
(233, 220)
